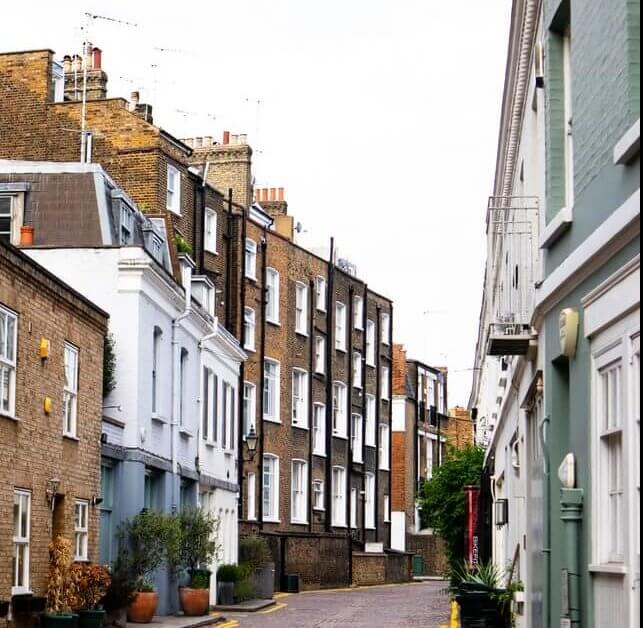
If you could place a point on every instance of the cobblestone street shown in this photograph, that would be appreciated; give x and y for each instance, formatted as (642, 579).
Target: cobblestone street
(408, 606)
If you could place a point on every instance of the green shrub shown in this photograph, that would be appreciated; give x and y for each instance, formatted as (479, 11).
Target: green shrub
(244, 590)
(255, 551)
(246, 570)
(229, 573)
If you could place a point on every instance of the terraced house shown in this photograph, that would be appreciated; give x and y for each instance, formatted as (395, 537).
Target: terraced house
(557, 388)
(315, 393)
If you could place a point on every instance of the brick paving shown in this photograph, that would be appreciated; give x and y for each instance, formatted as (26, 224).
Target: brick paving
(407, 606)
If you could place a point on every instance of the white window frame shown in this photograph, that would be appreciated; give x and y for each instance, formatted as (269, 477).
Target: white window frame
(384, 448)
(357, 370)
(211, 227)
(173, 194)
(249, 407)
(386, 383)
(319, 503)
(370, 344)
(81, 530)
(8, 361)
(184, 359)
(387, 509)
(338, 515)
(357, 437)
(319, 430)
(341, 333)
(320, 294)
(70, 392)
(370, 422)
(250, 323)
(157, 338)
(301, 309)
(229, 418)
(320, 355)
(250, 259)
(209, 405)
(300, 392)
(386, 328)
(16, 216)
(299, 492)
(252, 497)
(340, 410)
(569, 120)
(271, 504)
(22, 542)
(358, 312)
(272, 296)
(369, 497)
(354, 507)
(275, 415)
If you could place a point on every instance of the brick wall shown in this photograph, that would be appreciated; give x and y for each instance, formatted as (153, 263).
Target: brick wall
(32, 448)
(433, 551)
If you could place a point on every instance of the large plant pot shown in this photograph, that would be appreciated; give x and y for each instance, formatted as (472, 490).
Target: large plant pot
(143, 608)
(91, 619)
(28, 604)
(116, 619)
(264, 581)
(194, 602)
(225, 595)
(59, 621)
(480, 610)
(4, 609)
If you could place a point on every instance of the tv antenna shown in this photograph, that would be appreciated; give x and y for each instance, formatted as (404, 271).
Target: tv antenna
(90, 18)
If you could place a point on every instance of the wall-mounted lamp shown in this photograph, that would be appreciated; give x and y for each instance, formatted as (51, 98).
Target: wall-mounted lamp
(48, 405)
(567, 472)
(252, 441)
(96, 501)
(502, 513)
(53, 486)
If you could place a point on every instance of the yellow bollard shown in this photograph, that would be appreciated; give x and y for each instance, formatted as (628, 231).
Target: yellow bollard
(455, 615)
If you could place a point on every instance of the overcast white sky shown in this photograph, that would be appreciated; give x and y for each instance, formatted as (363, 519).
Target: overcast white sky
(379, 117)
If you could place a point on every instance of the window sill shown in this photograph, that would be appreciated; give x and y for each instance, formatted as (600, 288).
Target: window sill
(385, 469)
(341, 350)
(186, 433)
(355, 461)
(302, 334)
(250, 349)
(371, 366)
(320, 510)
(157, 418)
(341, 526)
(321, 311)
(629, 146)
(303, 428)
(209, 252)
(556, 227)
(210, 445)
(319, 455)
(610, 569)
(268, 520)
(272, 420)
(71, 438)
(20, 591)
(299, 523)
(176, 212)
(371, 445)
(9, 417)
(273, 323)
(340, 436)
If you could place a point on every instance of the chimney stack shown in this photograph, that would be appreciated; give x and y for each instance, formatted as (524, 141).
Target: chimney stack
(74, 75)
(226, 138)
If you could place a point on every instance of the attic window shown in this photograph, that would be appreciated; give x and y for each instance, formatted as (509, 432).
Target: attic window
(127, 225)
(156, 245)
(11, 217)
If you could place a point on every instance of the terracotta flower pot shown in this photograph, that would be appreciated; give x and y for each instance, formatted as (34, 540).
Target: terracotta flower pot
(194, 602)
(143, 608)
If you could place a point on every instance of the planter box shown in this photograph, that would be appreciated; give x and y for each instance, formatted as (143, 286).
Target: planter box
(28, 604)
(479, 610)
(91, 619)
(225, 595)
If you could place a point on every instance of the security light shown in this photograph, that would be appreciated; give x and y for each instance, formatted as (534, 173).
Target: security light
(502, 513)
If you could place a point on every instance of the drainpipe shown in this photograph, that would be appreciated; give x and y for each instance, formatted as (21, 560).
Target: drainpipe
(330, 353)
(228, 296)
(176, 395)
(311, 404)
(364, 412)
(262, 368)
(378, 419)
(242, 368)
(203, 206)
(390, 428)
(571, 503)
(544, 437)
(351, 383)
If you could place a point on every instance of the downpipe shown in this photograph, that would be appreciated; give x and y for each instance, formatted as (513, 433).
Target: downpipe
(544, 439)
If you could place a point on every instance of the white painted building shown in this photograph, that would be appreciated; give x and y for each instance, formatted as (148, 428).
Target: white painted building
(171, 424)
(508, 384)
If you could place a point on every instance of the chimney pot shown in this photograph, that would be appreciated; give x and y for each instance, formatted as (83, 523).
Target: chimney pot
(264, 194)
(97, 59)
(198, 142)
(282, 194)
(77, 64)
(243, 139)
(67, 64)
(226, 138)
(273, 194)
(88, 56)
(207, 141)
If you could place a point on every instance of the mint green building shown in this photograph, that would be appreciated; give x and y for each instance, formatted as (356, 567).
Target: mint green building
(592, 269)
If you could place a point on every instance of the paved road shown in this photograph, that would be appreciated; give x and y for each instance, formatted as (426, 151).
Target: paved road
(407, 606)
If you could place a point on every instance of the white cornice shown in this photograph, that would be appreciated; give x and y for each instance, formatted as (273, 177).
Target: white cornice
(629, 146)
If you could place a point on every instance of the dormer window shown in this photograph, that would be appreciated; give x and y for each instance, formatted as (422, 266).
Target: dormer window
(11, 218)
(127, 225)
(156, 248)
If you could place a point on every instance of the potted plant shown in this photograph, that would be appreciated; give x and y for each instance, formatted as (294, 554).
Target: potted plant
(227, 577)
(255, 551)
(91, 583)
(145, 541)
(60, 586)
(120, 594)
(195, 550)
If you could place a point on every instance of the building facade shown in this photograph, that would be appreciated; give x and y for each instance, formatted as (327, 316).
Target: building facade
(421, 425)
(317, 384)
(559, 344)
(51, 358)
(169, 426)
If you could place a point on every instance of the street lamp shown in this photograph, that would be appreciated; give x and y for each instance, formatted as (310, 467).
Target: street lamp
(251, 440)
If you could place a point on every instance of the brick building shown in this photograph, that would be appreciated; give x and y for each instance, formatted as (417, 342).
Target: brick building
(317, 386)
(51, 359)
(422, 428)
